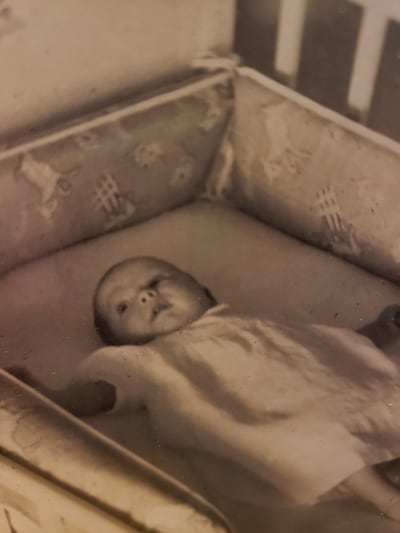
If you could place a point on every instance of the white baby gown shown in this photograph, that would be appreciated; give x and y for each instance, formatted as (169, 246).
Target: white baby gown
(300, 406)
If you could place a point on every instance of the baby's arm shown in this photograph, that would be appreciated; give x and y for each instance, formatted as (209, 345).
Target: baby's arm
(86, 399)
(80, 399)
(369, 486)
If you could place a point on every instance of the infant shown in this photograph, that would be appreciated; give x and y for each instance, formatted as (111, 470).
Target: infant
(305, 407)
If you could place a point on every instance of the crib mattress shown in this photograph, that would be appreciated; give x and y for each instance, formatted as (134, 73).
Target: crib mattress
(47, 326)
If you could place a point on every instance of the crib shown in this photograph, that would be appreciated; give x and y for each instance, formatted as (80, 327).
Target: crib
(236, 178)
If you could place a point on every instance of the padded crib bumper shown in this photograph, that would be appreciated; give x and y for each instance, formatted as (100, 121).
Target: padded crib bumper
(57, 449)
(286, 160)
(112, 170)
(313, 173)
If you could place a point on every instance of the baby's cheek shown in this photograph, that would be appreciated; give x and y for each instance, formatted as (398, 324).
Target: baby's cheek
(172, 321)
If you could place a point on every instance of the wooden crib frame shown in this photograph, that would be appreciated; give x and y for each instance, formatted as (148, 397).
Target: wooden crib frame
(376, 16)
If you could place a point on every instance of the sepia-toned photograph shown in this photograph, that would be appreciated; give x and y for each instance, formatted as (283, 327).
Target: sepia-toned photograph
(199, 266)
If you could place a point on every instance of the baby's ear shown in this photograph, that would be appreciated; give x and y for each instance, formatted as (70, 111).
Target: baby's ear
(210, 296)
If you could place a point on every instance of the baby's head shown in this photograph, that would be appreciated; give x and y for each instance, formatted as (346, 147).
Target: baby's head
(141, 298)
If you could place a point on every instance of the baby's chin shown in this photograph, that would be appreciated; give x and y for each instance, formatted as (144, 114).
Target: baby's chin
(140, 339)
(137, 340)
(165, 329)
(172, 320)
(168, 321)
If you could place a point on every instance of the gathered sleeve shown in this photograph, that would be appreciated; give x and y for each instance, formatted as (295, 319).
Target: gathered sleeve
(120, 366)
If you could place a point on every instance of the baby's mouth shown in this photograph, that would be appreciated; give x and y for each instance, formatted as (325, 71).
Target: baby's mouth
(159, 308)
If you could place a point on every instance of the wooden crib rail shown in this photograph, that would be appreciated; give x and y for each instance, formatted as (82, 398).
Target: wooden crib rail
(376, 15)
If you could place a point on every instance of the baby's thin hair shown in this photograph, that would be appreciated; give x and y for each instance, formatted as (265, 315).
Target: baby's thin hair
(103, 329)
(100, 323)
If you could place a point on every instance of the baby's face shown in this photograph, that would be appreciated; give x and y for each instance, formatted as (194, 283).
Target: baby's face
(144, 298)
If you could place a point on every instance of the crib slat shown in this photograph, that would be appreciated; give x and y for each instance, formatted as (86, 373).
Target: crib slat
(290, 33)
(371, 40)
(391, 8)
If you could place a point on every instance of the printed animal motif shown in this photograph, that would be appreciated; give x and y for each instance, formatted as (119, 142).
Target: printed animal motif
(282, 154)
(341, 234)
(108, 199)
(47, 181)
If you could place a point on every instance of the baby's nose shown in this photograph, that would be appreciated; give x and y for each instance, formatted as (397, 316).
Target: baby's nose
(147, 295)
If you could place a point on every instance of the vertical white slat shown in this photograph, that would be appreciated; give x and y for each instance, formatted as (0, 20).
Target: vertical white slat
(214, 27)
(370, 44)
(391, 8)
(290, 33)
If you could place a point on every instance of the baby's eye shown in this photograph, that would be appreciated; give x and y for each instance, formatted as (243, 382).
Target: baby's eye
(154, 283)
(121, 308)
